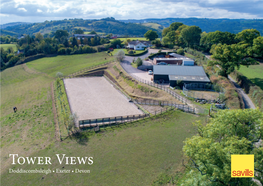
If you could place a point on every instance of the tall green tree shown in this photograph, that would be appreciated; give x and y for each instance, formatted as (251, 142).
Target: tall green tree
(60, 34)
(74, 42)
(258, 46)
(211, 38)
(78, 31)
(192, 35)
(229, 132)
(174, 26)
(165, 31)
(151, 35)
(231, 56)
(247, 36)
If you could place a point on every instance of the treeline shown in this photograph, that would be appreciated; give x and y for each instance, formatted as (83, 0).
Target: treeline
(229, 50)
(60, 44)
(107, 25)
(210, 25)
(7, 39)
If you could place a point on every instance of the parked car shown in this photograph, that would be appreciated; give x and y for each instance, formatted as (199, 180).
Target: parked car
(162, 63)
(150, 72)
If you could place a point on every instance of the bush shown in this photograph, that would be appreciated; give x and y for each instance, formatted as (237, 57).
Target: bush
(131, 52)
(62, 51)
(138, 62)
(180, 51)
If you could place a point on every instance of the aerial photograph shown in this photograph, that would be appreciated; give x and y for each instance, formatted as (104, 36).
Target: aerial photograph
(131, 93)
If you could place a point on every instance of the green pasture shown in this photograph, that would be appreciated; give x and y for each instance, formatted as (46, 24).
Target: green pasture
(254, 73)
(132, 154)
(68, 64)
(6, 46)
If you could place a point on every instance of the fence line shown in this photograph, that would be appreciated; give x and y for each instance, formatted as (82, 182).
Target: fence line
(174, 94)
(86, 69)
(111, 120)
(182, 107)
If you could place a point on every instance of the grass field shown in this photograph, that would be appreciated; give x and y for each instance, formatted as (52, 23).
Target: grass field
(254, 73)
(5, 46)
(153, 25)
(68, 64)
(129, 155)
(132, 154)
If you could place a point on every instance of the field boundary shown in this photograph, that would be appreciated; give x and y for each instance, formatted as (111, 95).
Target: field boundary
(57, 131)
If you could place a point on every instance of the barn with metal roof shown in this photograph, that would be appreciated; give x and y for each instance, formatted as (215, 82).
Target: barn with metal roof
(175, 73)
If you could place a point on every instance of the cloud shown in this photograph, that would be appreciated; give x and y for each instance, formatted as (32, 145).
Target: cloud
(22, 9)
(36, 10)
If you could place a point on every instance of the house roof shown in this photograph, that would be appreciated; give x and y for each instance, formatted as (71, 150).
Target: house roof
(186, 73)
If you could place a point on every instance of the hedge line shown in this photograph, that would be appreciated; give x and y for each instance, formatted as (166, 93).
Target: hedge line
(137, 54)
(255, 92)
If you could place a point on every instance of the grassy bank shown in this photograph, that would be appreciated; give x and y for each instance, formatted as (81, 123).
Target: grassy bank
(134, 154)
(254, 73)
(68, 64)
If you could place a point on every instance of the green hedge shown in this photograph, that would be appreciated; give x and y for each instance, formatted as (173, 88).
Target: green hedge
(137, 54)
(254, 92)
(159, 53)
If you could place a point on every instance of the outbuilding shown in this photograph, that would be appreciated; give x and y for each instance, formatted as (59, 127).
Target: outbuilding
(173, 74)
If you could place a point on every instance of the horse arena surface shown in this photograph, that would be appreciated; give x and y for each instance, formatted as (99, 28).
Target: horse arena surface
(95, 97)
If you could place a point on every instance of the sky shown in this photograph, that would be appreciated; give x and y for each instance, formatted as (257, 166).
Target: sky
(41, 10)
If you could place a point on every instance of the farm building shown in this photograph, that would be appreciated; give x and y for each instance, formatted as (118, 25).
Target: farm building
(78, 36)
(174, 61)
(175, 73)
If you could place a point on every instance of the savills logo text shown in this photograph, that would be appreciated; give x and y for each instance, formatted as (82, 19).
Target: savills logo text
(240, 173)
(242, 166)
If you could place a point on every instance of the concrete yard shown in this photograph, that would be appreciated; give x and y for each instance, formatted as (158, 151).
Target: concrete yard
(95, 97)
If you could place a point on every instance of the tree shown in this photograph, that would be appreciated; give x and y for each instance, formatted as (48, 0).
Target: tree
(39, 37)
(74, 42)
(66, 44)
(151, 35)
(229, 132)
(61, 33)
(174, 26)
(191, 35)
(93, 32)
(78, 31)
(115, 43)
(258, 46)
(120, 55)
(207, 40)
(10, 50)
(247, 36)
(231, 56)
(165, 31)
(138, 62)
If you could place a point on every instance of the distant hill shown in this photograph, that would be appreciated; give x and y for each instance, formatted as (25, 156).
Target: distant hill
(6, 32)
(107, 25)
(208, 25)
(3, 26)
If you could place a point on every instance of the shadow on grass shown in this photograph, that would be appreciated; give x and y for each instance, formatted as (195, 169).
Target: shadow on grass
(81, 137)
(258, 82)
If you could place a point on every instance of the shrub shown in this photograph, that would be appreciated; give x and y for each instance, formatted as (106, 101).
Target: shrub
(130, 52)
(180, 51)
(139, 61)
